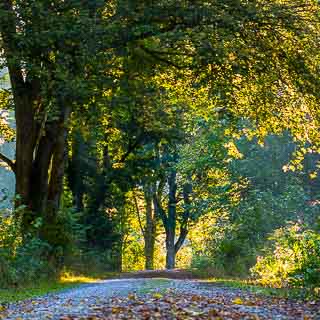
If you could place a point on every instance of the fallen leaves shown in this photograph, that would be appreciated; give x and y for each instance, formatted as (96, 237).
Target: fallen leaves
(237, 301)
(132, 297)
(157, 295)
(184, 306)
(182, 301)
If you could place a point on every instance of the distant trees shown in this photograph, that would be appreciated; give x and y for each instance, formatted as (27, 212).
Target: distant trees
(172, 203)
(250, 197)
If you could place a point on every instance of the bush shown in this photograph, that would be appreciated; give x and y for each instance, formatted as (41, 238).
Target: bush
(28, 264)
(21, 263)
(204, 266)
(91, 262)
(292, 260)
(25, 259)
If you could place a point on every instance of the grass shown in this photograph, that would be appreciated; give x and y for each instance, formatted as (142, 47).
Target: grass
(66, 281)
(288, 293)
(157, 285)
(246, 284)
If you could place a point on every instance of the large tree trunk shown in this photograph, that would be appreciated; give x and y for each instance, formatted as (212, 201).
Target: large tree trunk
(148, 228)
(45, 182)
(40, 144)
(24, 167)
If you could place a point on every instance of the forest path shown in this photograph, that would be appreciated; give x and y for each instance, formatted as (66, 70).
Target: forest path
(157, 299)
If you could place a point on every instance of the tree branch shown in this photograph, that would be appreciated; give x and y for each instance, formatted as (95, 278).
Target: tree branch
(187, 189)
(181, 239)
(168, 53)
(159, 210)
(131, 148)
(8, 161)
(138, 214)
(157, 56)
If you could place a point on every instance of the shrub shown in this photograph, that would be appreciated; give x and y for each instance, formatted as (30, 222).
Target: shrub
(91, 262)
(25, 265)
(292, 259)
(21, 262)
(29, 259)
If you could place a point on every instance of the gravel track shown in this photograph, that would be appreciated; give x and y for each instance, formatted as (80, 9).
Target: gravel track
(91, 301)
(80, 301)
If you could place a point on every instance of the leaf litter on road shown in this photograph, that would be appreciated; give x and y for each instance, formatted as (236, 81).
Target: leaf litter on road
(182, 300)
(184, 306)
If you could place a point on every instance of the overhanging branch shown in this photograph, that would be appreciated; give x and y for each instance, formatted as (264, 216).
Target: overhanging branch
(158, 56)
(8, 161)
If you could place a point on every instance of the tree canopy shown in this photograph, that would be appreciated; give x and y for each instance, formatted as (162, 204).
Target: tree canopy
(187, 130)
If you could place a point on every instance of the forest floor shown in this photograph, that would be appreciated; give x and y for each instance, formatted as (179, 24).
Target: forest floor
(158, 296)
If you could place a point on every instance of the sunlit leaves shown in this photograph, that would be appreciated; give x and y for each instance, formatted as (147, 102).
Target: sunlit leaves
(6, 131)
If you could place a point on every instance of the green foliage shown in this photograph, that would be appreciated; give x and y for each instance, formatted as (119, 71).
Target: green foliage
(6, 131)
(133, 255)
(90, 262)
(26, 259)
(28, 264)
(21, 261)
(62, 232)
(171, 92)
(250, 222)
(258, 197)
(291, 259)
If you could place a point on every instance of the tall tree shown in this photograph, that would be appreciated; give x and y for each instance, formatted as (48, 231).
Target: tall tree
(62, 56)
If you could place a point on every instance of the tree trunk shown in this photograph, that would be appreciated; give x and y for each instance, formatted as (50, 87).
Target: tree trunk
(46, 178)
(39, 144)
(184, 228)
(58, 161)
(171, 221)
(24, 165)
(149, 230)
(77, 169)
(170, 248)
